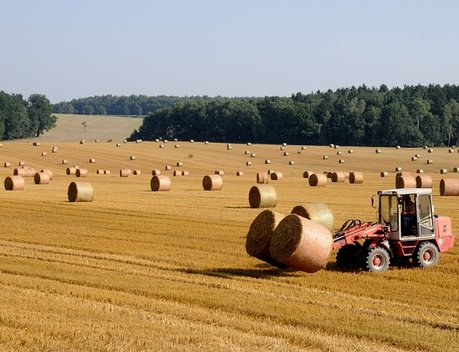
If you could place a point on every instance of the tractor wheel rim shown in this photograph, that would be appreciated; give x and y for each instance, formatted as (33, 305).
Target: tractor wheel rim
(377, 260)
(427, 256)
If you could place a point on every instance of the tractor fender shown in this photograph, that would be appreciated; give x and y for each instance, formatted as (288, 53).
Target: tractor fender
(371, 243)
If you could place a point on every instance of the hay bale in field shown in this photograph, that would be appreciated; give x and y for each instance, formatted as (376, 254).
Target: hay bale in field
(99, 171)
(317, 180)
(54, 150)
(44, 153)
(80, 192)
(229, 146)
(414, 158)
(398, 169)
(350, 151)
(81, 172)
(64, 162)
(239, 173)
(417, 156)
(341, 161)
(190, 156)
(249, 144)
(356, 177)
(336, 146)
(71, 171)
(161, 146)
(132, 157)
(212, 182)
(339, 152)
(303, 147)
(247, 152)
(36, 144)
(6, 164)
(262, 196)
(136, 172)
(451, 150)
(291, 162)
(41, 178)
(118, 145)
(219, 172)
(324, 157)
(155, 172)
(384, 174)
(423, 181)
(397, 147)
(406, 181)
(301, 243)
(449, 187)
(319, 213)
(185, 173)
(262, 177)
(443, 171)
(378, 151)
(92, 160)
(125, 172)
(267, 161)
(456, 169)
(177, 146)
(430, 150)
(82, 141)
(124, 140)
(24, 172)
(96, 141)
(281, 148)
(259, 236)
(49, 172)
(206, 142)
(307, 173)
(160, 183)
(21, 163)
(403, 173)
(429, 161)
(419, 171)
(276, 176)
(106, 172)
(76, 166)
(248, 163)
(178, 164)
(14, 183)
(253, 155)
(138, 141)
(338, 176)
(285, 153)
(167, 167)
(177, 173)
(284, 144)
(332, 146)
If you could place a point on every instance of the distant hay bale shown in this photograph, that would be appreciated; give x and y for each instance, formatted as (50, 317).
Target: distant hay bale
(397, 147)
(49, 172)
(417, 156)
(356, 177)
(384, 174)
(341, 161)
(443, 171)
(36, 144)
(451, 150)
(96, 141)
(324, 157)
(339, 152)
(414, 158)
(249, 144)
(80, 192)
(284, 144)
(419, 171)
(125, 172)
(307, 173)
(136, 172)
(328, 173)
(106, 172)
(178, 164)
(175, 139)
(406, 181)
(92, 161)
(124, 140)
(301, 243)
(81, 173)
(253, 155)
(299, 152)
(449, 187)
(303, 148)
(44, 153)
(423, 181)
(247, 152)
(132, 157)
(155, 172)
(317, 180)
(456, 169)
(262, 196)
(248, 163)
(338, 176)
(229, 146)
(64, 162)
(285, 153)
(219, 172)
(336, 146)
(319, 213)
(118, 145)
(54, 150)
(239, 173)
(350, 151)
(430, 150)
(41, 178)
(6, 164)
(281, 148)
(378, 151)
(99, 171)
(161, 146)
(429, 161)
(167, 167)
(262, 177)
(21, 163)
(71, 171)
(398, 169)
(259, 236)
(291, 162)
(190, 156)
(177, 146)
(185, 173)
(267, 161)
(14, 183)
(332, 146)
(212, 182)
(138, 141)
(191, 140)
(276, 176)
(82, 141)
(206, 142)
(160, 183)
(177, 173)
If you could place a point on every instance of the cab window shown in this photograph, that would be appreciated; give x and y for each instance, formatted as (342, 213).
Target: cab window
(388, 211)
(425, 210)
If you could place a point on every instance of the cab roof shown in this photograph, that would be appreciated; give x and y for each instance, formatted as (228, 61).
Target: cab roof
(404, 191)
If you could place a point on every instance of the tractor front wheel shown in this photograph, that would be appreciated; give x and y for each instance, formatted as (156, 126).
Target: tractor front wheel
(348, 256)
(427, 255)
(377, 260)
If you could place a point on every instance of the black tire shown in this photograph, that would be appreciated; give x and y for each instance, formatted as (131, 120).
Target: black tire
(427, 255)
(348, 256)
(377, 260)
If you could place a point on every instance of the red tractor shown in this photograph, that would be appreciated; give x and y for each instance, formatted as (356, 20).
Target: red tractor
(406, 228)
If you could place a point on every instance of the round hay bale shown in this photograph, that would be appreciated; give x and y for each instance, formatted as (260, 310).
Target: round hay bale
(161, 146)
(456, 169)
(239, 173)
(413, 158)
(317, 180)
(324, 157)
(125, 172)
(177, 173)
(350, 151)
(124, 140)
(270, 171)
(307, 173)
(406, 181)
(284, 144)
(451, 150)
(44, 153)
(291, 162)
(339, 152)
(177, 146)
(423, 181)
(443, 171)
(332, 146)
(303, 148)
(449, 187)
(41, 178)
(190, 156)
(80, 192)
(159, 183)
(136, 172)
(219, 172)
(336, 146)
(328, 173)
(276, 176)
(54, 150)
(419, 171)
(138, 141)
(267, 161)
(397, 147)
(259, 236)
(92, 160)
(132, 157)
(384, 174)
(398, 169)
(81, 172)
(36, 144)
(21, 163)
(247, 152)
(82, 141)
(338, 176)
(70, 171)
(248, 163)
(155, 172)
(179, 164)
(206, 142)
(429, 161)
(281, 148)
(118, 145)
(346, 174)
(191, 140)
(417, 156)
(96, 141)
(14, 183)
(319, 213)
(301, 243)
(64, 162)
(378, 151)
(285, 154)
(29, 172)
(262, 177)
(253, 155)
(175, 139)
(249, 144)
(185, 173)
(262, 196)
(106, 172)
(76, 166)
(356, 177)
(229, 146)
(341, 161)
(167, 167)
(212, 182)
(6, 164)
(49, 172)
(99, 171)
(430, 150)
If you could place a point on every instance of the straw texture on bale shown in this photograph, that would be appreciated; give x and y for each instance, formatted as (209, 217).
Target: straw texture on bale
(423, 181)
(407, 181)
(41, 178)
(155, 172)
(449, 187)
(259, 236)
(329, 174)
(219, 172)
(212, 182)
(301, 244)
(338, 176)
(81, 172)
(262, 196)
(14, 183)
(356, 177)
(276, 175)
(49, 172)
(24, 172)
(317, 180)
(262, 177)
(443, 171)
(307, 173)
(70, 171)
(319, 213)
(80, 192)
(137, 172)
(239, 173)
(125, 172)
(384, 174)
(159, 183)
(403, 173)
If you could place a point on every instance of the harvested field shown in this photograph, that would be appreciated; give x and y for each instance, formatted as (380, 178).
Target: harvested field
(137, 270)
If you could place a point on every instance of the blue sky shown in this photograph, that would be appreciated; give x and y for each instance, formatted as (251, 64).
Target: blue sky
(71, 49)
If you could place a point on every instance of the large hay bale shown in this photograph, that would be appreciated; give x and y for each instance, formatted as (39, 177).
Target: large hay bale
(356, 177)
(212, 182)
(301, 243)
(81, 172)
(318, 212)
(71, 171)
(276, 176)
(160, 183)
(80, 192)
(19, 172)
(406, 181)
(125, 172)
(41, 178)
(423, 181)
(262, 196)
(262, 177)
(14, 183)
(449, 187)
(307, 173)
(317, 180)
(49, 172)
(338, 176)
(259, 236)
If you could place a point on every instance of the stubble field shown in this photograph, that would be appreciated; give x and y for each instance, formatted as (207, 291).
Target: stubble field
(137, 270)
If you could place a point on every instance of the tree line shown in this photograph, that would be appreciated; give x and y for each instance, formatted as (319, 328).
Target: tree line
(408, 116)
(20, 118)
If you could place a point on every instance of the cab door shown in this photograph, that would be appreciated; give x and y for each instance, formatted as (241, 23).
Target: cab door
(425, 216)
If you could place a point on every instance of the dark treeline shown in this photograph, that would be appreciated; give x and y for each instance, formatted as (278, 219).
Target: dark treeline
(21, 118)
(409, 116)
(135, 105)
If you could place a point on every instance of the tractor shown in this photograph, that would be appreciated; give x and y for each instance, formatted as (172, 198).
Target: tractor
(406, 229)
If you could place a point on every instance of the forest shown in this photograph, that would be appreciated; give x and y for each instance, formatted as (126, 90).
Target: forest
(408, 116)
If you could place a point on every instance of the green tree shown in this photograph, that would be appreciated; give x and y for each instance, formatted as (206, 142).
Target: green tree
(39, 110)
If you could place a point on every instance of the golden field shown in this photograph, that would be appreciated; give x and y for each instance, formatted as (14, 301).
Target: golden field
(137, 270)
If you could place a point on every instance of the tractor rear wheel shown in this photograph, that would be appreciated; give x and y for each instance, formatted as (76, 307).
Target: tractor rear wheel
(348, 256)
(427, 255)
(377, 260)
